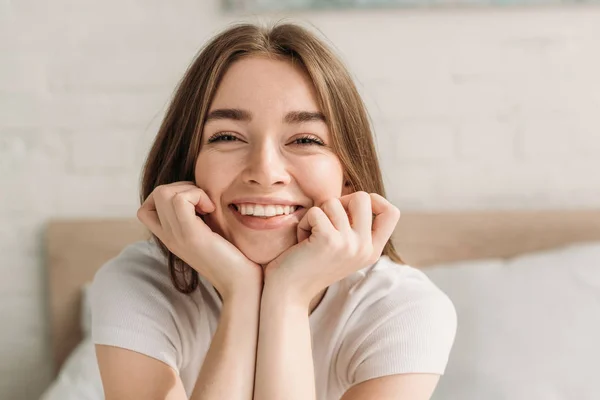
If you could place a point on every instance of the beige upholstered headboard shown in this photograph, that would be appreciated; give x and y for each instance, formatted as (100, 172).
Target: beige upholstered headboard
(76, 249)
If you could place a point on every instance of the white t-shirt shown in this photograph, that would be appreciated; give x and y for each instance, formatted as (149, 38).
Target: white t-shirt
(384, 319)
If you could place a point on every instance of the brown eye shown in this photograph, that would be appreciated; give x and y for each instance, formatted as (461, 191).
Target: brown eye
(309, 140)
(222, 137)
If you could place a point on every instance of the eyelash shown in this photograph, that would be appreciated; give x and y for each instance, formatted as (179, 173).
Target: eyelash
(313, 139)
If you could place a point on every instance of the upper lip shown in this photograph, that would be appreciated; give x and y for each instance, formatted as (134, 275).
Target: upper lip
(266, 200)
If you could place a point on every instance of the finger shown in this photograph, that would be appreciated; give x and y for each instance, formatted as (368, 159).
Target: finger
(164, 206)
(184, 206)
(360, 209)
(204, 206)
(149, 217)
(174, 203)
(163, 197)
(180, 183)
(337, 214)
(314, 222)
(386, 218)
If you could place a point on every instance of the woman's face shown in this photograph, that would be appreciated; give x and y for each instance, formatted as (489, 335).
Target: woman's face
(265, 145)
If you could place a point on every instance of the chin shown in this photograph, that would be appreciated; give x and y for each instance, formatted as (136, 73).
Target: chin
(260, 247)
(260, 257)
(264, 251)
(262, 254)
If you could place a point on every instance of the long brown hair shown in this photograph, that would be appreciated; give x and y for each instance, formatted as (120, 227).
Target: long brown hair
(177, 144)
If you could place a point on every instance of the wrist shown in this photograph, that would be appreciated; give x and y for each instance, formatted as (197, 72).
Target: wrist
(249, 298)
(241, 289)
(284, 289)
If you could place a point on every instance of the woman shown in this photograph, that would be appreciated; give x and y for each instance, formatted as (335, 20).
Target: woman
(270, 274)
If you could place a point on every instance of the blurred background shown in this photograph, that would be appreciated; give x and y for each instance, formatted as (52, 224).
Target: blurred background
(475, 107)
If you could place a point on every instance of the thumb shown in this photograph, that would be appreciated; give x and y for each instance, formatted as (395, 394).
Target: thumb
(204, 204)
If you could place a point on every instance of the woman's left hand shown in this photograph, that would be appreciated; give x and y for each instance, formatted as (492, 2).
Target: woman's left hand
(342, 236)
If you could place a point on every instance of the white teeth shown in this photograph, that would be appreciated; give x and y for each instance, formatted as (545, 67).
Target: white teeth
(270, 211)
(267, 210)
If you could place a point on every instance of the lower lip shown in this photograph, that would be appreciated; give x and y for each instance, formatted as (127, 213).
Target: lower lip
(260, 223)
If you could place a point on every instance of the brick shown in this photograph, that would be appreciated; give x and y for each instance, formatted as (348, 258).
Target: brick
(486, 138)
(407, 185)
(109, 151)
(23, 109)
(23, 72)
(20, 34)
(423, 141)
(107, 110)
(34, 150)
(529, 185)
(411, 97)
(31, 161)
(546, 136)
(117, 71)
(472, 180)
(97, 196)
(22, 270)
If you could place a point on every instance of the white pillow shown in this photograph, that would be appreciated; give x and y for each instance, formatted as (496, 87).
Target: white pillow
(528, 327)
(79, 378)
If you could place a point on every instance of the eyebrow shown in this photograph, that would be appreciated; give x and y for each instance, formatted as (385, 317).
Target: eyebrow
(293, 117)
(229, 113)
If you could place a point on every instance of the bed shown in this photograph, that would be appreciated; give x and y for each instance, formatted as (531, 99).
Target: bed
(459, 251)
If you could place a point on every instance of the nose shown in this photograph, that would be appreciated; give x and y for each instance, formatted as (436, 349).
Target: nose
(266, 165)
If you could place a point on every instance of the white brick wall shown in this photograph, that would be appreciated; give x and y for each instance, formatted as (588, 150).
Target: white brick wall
(482, 108)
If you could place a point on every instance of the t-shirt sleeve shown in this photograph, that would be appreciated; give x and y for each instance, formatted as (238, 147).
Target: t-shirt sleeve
(135, 308)
(404, 334)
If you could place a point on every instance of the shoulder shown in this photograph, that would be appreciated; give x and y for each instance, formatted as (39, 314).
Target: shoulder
(139, 274)
(135, 305)
(400, 322)
(139, 263)
(397, 288)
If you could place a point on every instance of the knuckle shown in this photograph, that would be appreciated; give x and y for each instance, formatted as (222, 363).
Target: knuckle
(333, 242)
(357, 250)
(362, 196)
(178, 198)
(314, 211)
(376, 195)
(162, 191)
(330, 203)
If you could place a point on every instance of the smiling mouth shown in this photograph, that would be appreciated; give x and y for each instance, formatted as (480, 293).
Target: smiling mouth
(237, 210)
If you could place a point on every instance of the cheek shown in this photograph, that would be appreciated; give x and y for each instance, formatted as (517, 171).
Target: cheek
(321, 179)
(212, 175)
(213, 184)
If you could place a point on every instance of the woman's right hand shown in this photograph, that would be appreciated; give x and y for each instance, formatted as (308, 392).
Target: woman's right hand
(171, 213)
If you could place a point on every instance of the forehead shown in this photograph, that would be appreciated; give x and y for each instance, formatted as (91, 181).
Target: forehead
(260, 83)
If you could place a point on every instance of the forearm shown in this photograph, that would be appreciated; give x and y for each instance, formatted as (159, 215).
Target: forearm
(228, 369)
(284, 364)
